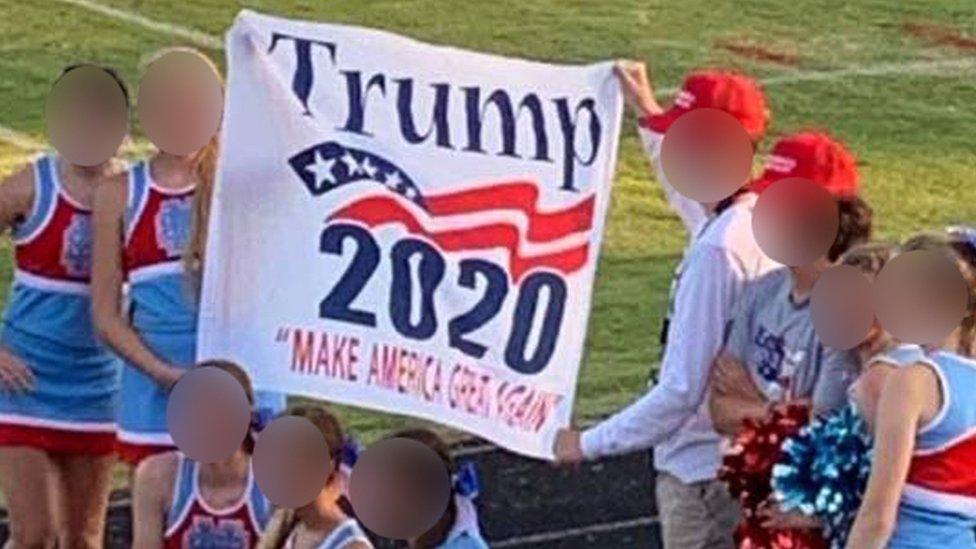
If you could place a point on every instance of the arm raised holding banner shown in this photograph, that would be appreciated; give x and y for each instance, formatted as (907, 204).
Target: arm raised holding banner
(640, 94)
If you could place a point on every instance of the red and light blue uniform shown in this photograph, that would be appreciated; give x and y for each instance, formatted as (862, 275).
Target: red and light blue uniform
(161, 307)
(192, 523)
(938, 503)
(47, 324)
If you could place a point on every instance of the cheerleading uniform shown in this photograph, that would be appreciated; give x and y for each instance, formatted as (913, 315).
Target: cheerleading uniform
(162, 311)
(47, 324)
(157, 225)
(938, 502)
(347, 532)
(191, 522)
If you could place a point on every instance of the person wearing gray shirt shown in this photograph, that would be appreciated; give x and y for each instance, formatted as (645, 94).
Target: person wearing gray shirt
(772, 352)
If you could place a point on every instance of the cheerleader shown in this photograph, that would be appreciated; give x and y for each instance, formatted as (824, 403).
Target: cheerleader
(795, 503)
(458, 527)
(323, 523)
(921, 491)
(179, 503)
(148, 221)
(59, 385)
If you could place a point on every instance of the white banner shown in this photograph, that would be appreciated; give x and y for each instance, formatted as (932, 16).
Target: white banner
(406, 227)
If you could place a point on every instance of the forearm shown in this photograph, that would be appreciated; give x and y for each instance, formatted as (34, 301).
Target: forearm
(871, 531)
(147, 515)
(641, 425)
(729, 411)
(119, 335)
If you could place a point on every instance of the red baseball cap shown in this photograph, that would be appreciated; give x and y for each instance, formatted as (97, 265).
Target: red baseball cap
(815, 156)
(734, 93)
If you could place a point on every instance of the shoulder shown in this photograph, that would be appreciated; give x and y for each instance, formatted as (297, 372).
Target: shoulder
(20, 184)
(732, 229)
(913, 382)
(770, 283)
(156, 474)
(24, 177)
(871, 381)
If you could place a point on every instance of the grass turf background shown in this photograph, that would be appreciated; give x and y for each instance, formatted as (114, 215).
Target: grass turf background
(912, 123)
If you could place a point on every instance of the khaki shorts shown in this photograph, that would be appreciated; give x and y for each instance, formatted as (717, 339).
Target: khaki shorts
(701, 515)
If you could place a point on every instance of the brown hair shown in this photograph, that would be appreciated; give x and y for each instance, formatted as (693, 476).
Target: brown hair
(284, 521)
(107, 70)
(327, 423)
(854, 223)
(963, 254)
(233, 369)
(241, 376)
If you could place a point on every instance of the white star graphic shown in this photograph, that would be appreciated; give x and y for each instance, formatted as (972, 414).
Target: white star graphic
(321, 169)
(368, 168)
(352, 167)
(393, 181)
(409, 192)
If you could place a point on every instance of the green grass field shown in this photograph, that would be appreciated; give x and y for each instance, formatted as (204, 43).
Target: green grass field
(894, 79)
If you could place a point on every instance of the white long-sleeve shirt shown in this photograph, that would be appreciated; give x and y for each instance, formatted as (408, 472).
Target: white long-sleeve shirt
(673, 415)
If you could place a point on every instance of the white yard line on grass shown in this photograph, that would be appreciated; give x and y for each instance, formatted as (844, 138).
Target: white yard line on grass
(575, 532)
(205, 40)
(196, 37)
(938, 66)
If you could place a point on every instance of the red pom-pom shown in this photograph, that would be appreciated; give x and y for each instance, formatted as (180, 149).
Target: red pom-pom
(748, 469)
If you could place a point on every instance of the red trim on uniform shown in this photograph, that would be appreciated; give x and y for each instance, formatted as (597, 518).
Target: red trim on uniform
(59, 441)
(235, 523)
(133, 454)
(949, 471)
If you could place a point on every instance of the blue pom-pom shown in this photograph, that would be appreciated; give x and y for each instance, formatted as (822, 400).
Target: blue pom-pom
(824, 469)
(466, 481)
(349, 452)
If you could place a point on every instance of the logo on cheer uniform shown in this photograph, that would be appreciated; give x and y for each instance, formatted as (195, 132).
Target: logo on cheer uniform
(76, 247)
(173, 225)
(224, 534)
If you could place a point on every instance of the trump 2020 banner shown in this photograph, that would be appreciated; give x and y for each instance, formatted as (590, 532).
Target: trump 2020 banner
(406, 227)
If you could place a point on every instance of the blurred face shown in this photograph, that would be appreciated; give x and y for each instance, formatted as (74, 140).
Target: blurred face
(920, 297)
(706, 155)
(180, 102)
(208, 414)
(399, 488)
(87, 116)
(795, 221)
(292, 462)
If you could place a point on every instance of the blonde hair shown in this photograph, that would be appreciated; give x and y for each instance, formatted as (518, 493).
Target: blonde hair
(204, 170)
(963, 254)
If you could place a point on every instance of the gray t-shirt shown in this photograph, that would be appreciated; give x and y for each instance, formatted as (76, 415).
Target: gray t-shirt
(775, 338)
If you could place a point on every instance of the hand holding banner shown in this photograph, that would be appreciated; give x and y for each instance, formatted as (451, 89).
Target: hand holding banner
(407, 227)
